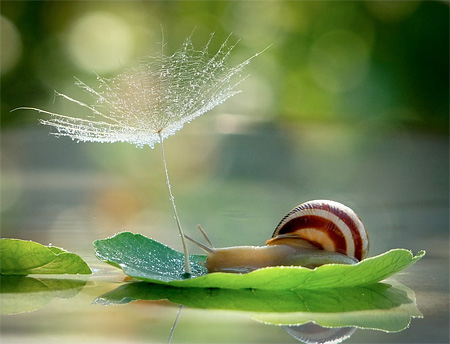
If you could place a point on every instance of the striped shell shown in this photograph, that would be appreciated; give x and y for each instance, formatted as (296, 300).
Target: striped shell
(329, 225)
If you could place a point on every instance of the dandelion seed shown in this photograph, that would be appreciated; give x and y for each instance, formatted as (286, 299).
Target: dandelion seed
(153, 100)
(146, 104)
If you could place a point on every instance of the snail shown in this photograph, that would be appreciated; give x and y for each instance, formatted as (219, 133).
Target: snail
(312, 234)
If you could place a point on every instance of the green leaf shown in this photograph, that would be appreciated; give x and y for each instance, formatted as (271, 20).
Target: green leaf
(138, 255)
(22, 257)
(387, 307)
(25, 294)
(150, 261)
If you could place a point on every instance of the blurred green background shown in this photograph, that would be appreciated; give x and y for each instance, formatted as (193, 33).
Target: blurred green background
(372, 62)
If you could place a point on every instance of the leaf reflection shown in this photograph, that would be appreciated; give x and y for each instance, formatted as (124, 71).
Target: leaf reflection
(381, 306)
(25, 294)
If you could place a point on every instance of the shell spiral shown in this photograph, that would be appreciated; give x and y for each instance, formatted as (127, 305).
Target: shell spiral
(328, 225)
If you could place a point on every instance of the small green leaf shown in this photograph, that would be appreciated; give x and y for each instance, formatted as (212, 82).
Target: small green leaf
(138, 255)
(22, 257)
(150, 261)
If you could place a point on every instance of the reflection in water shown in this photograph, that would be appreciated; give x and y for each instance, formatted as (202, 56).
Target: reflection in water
(25, 294)
(310, 316)
(172, 330)
(311, 333)
(308, 333)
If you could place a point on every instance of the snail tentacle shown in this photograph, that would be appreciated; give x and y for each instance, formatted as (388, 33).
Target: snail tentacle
(208, 240)
(199, 244)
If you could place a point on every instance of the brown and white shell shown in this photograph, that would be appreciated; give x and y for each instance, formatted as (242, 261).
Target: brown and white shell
(327, 225)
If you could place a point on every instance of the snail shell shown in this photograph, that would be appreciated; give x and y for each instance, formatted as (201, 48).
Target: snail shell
(327, 225)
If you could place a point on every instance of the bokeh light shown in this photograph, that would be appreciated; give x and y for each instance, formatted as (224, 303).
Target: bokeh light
(100, 42)
(11, 45)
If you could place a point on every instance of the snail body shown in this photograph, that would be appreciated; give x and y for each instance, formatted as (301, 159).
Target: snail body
(310, 235)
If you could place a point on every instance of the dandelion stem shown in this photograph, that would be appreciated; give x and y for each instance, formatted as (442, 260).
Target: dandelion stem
(177, 219)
